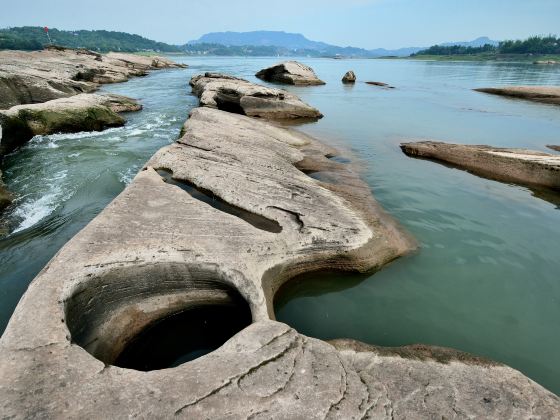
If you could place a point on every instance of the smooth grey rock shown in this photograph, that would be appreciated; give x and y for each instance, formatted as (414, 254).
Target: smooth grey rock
(291, 73)
(157, 250)
(84, 112)
(237, 95)
(40, 76)
(544, 94)
(349, 77)
(521, 166)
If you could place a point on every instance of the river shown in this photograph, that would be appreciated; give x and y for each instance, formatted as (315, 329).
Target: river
(486, 278)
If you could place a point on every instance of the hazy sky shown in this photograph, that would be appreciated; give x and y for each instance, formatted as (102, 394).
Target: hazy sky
(360, 23)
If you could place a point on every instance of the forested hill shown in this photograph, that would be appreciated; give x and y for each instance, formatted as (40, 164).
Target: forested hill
(34, 38)
(535, 45)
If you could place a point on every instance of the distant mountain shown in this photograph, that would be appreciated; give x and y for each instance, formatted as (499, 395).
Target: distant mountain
(286, 44)
(34, 38)
(401, 52)
(261, 38)
(478, 42)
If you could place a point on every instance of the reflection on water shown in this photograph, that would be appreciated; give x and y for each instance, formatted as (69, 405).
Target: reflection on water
(486, 279)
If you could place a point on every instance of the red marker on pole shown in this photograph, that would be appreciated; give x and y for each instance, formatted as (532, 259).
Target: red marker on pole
(47, 32)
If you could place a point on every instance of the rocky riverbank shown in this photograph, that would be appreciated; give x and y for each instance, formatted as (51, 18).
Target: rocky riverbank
(521, 166)
(543, 94)
(49, 91)
(40, 76)
(225, 216)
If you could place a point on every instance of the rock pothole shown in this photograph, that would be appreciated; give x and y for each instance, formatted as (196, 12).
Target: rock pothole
(155, 316)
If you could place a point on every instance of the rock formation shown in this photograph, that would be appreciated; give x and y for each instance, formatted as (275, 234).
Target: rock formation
(5, 195)
(380, 84)
(521, 166)
(40, 76)
(84, 112)
(237, 95)
(553, 147)
(544, 94)
(59, 351)
(349, 77)
(290, 73)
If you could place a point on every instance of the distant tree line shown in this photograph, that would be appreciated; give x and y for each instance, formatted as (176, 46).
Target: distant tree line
(534, 45)
(34, 38)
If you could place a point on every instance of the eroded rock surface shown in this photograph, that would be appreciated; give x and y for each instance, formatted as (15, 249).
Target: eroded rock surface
(40, 76)
(545, 94)
(520, 166)
(349, 77)
(84, 112)
(291, 73)
(233, 94)
(96, 295)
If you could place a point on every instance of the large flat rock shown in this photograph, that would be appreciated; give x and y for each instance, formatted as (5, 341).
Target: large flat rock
(83, 112)
(544, 94)
(233, 94)
(40, 76)
(159, 249)
(521, 166)
(290, 73)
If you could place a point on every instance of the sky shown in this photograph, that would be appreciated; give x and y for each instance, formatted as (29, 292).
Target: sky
(359, 23)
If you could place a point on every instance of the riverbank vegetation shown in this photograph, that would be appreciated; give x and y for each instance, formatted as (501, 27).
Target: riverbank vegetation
(34, 38)
(542, 47)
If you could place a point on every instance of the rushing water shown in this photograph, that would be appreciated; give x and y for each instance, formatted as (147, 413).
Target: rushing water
(487, 276)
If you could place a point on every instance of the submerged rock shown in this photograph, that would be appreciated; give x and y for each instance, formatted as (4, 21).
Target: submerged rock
(96, 296)
(57, 72)
(520, 166)
(291, 73)
(84, 112)
(544, 94)
(5, 196)
(380, 84)
(349, 77)
(233, 94)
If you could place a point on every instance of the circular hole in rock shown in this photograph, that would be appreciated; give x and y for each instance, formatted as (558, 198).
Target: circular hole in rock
(184, 336)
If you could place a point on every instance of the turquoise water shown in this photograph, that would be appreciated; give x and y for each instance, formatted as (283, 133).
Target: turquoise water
(487, 276)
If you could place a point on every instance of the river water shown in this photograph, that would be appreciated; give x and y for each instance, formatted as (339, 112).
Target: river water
(487, 276)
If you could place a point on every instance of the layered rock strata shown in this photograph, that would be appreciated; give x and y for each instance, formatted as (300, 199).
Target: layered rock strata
(544, 94)
(233, 94)
(521, 166)
(290, 73)
(96, 295)
(40, 76)
(84, 112)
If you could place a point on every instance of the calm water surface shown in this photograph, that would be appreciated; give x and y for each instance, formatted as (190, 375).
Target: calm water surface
(487, 276)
